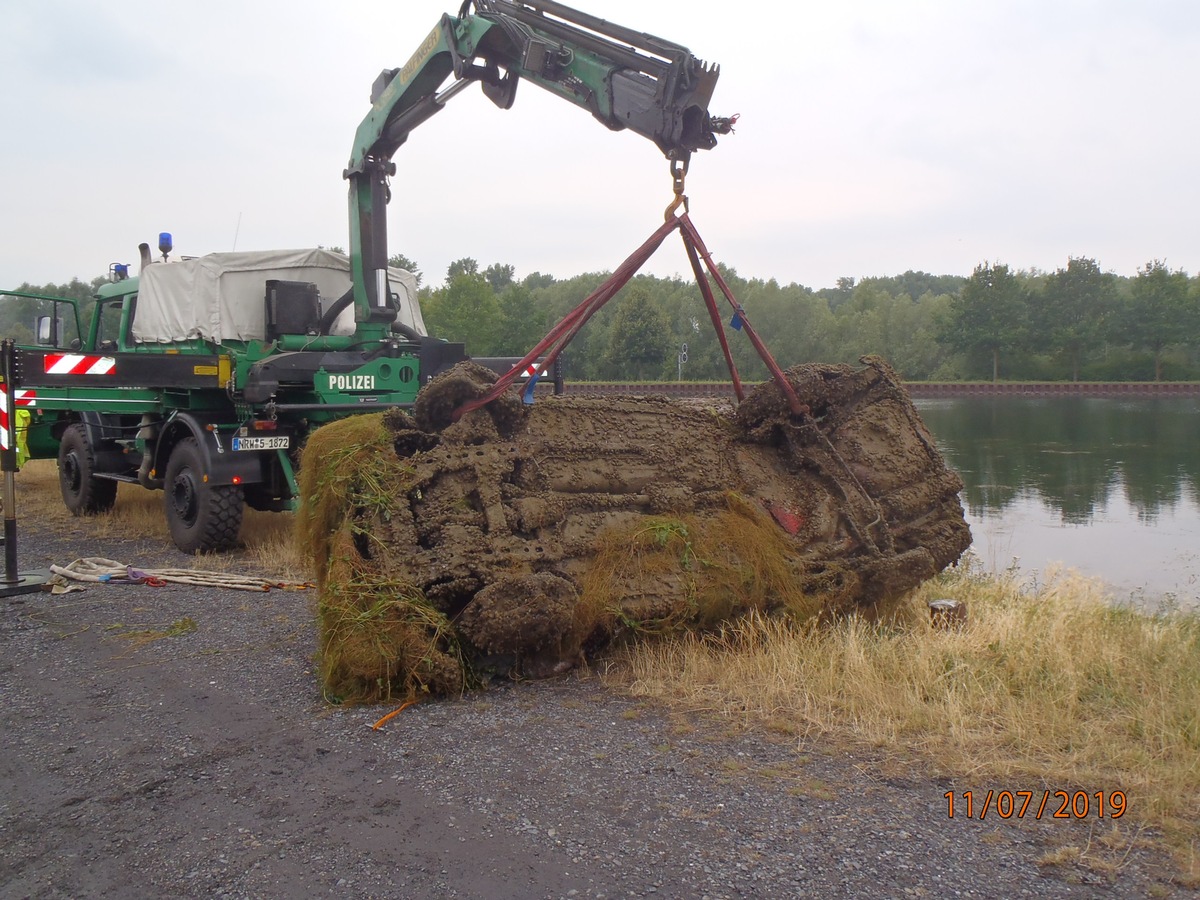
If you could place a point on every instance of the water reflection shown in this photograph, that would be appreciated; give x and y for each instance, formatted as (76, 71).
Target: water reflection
(1111, 487)
(1073, 452)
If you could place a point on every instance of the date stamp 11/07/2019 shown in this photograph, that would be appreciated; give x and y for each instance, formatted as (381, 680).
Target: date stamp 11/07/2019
(1035, 804)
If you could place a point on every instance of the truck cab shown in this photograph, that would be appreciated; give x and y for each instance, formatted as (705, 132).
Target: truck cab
(202, 377)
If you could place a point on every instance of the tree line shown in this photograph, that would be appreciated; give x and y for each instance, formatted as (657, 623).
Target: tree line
(1078, 322)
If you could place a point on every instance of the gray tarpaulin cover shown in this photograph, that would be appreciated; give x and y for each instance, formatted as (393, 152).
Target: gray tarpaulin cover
(220, 297)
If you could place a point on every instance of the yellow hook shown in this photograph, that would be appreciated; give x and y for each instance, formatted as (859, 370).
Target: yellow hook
(678, 174)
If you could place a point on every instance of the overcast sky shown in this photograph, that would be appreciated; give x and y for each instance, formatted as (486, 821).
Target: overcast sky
(875, 136)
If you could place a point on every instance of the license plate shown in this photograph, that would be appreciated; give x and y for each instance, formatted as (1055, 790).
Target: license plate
(261, 443)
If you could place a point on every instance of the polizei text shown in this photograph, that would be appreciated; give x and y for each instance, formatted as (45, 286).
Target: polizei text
(351, 382)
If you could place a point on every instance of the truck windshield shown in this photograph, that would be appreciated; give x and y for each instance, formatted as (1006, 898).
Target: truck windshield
(108, 331)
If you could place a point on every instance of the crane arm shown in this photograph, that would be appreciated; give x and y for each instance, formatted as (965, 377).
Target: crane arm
(624, 78)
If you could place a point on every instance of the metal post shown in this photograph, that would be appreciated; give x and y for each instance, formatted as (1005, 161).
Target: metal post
(10, 519)
(13, 582)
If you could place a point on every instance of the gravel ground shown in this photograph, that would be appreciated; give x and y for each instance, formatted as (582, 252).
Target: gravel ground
(206, 763)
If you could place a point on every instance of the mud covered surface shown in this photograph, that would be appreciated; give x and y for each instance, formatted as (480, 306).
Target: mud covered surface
(536, 534)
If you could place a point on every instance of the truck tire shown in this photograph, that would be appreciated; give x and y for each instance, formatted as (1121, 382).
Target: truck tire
(83, 493)
(201, 517)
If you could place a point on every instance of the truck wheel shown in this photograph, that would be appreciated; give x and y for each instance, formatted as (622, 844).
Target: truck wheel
(82, 492)
(201, 517)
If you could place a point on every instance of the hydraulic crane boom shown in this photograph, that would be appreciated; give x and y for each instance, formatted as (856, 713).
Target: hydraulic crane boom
(624, 78)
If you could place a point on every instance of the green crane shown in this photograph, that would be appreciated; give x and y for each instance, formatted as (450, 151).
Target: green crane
(624, 78)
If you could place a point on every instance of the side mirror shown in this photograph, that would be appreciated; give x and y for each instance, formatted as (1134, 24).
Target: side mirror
(48, 330)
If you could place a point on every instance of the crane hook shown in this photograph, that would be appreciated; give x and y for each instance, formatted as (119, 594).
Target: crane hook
(679, 170)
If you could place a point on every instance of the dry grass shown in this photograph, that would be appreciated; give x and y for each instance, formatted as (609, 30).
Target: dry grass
(344, 474)
(380, 639)
(1054, 686)
(714, 568)
(267, 543)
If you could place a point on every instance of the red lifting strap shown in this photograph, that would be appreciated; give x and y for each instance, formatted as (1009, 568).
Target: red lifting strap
(562, 333)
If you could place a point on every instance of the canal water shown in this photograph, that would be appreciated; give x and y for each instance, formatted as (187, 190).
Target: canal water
(1108, 487)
